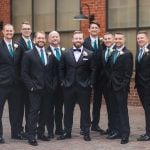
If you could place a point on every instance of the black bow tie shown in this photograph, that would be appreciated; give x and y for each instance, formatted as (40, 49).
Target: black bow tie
(77, 50)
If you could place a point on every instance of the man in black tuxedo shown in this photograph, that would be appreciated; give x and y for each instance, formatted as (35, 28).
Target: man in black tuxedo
(24, 44)
(142, 78)
(77, 74)
(9, 88)
(92, 43)
(108, 48)
(121, 66)
(35, 72)
(55, 105)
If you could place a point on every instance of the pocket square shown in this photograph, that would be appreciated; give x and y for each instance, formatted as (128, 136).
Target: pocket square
(85, 58)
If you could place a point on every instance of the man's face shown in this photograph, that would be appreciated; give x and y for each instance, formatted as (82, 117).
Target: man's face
(40, 40)
(142, 39)
(94, 30)
(54, 39)
(78, 40)
(26, 30)
(108, 40)
(119, 40)
(8, 32)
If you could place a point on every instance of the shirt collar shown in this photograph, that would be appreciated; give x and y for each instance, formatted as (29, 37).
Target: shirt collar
(7, 42)
(39, 48)
(120, 49)
(94, 38)
(145, 46)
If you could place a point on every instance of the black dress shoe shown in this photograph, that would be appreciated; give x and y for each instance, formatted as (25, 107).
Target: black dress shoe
(144, 137)
(33, 142)
(58, 132)
(98, 129)
(124, 140)
(19, 137)
(87, 137)
(64, 136)
(2, 141)
(107, 131)
(50, 135)
(43, 137)
(113, 135)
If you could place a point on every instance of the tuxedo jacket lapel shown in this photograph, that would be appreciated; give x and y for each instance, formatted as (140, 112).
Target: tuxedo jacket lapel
(6, 52)
(37, 57)
(72, 57)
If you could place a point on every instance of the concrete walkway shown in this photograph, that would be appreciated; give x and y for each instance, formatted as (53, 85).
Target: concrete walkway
(99, 142)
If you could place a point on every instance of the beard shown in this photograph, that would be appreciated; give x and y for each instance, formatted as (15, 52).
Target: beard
(40, 45)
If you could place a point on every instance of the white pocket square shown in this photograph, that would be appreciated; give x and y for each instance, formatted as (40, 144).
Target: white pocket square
(85, 59)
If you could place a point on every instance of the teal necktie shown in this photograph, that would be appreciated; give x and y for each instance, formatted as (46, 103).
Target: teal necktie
(107, 54)
(115, 56)
(57, 53)
(95, 45)
(42, 56)
(29, 44)
(11, 51)
(140, 55)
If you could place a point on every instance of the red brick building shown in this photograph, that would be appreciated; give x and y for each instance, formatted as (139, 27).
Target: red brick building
(113, 15)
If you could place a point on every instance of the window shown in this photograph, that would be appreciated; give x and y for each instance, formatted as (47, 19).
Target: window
(122, 14)
(19, 13)
(128, 16)
(47, 15)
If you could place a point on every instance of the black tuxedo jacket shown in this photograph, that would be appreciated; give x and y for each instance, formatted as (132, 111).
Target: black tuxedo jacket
(8, 66)
(54, 81)
(121, 70)
(20, 50)
(142, 69)
(34, 73)
(97, 57)
(106, 68)
(81, 72)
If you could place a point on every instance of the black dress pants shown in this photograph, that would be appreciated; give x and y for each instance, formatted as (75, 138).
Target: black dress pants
(82, 96)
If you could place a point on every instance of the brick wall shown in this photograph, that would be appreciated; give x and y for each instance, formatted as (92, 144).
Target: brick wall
(4, 12)
(98, 8)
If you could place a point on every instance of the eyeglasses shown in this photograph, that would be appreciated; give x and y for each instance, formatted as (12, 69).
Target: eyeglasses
(26, 29)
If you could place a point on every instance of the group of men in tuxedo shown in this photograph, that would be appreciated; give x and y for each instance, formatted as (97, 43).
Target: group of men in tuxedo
(40, 80)
(30, 83)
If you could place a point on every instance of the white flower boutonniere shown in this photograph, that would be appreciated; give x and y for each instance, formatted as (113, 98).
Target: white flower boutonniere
(85, 54)
(146, 50)
(63, 49)
(49, 54)
(15, 46)
(111, 50)
(121, 53)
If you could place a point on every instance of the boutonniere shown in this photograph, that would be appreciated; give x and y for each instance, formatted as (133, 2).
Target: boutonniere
(63, 49)
(85, 54)
(49, 54)
(146, 50)
(111, 50)
(15, 46)
(121, 53)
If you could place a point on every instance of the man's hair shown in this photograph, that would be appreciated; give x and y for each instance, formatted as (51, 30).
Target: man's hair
(7, 24)
(108, 33)
(42, 32)
(94, 22)
(77, 32)
(25, 22)
(143, 32)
